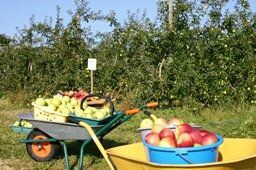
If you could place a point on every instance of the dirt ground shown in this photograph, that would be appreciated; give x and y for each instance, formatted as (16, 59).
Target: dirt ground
(4, 166)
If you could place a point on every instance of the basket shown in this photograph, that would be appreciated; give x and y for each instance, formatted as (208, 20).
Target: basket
(189, 155)
(44, 113)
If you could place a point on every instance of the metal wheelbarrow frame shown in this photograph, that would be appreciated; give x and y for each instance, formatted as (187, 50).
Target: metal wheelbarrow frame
(56, 133)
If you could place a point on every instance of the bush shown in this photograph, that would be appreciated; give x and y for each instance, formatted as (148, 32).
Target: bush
(201, 62)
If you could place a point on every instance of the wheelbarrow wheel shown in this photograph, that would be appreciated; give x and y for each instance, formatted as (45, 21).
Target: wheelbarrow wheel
(43, 151)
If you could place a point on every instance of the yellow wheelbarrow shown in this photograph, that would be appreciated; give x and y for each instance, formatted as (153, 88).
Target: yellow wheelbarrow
(234, 153)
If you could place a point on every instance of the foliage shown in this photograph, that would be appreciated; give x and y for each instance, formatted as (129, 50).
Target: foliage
(207, 59)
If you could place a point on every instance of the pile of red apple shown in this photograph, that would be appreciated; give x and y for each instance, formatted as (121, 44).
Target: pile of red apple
(78, 94)
(183, 136)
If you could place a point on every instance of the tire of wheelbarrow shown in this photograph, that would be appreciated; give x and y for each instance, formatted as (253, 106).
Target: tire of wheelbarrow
(42, 152)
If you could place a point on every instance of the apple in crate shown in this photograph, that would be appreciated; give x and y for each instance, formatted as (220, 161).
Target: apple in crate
(204, 132)
(185, 140)
(196, 135)
(183, 128)
(174, 121)
(209, 139)
(166, 132)
(167, 142)
(161, 121)
(152, 139)
(156, 128)
(146, 123)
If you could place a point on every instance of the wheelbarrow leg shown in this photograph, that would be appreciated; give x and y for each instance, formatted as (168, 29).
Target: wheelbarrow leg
(81, 158)
(65, 154)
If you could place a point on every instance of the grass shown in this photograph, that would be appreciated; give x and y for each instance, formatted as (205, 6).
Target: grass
(234, 122)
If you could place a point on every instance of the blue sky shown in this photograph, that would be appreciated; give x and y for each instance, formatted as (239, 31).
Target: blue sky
(16, 13)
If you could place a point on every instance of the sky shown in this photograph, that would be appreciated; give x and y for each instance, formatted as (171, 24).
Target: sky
(16, 13)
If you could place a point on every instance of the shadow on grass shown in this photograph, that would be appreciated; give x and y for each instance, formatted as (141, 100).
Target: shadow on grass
(91, 149)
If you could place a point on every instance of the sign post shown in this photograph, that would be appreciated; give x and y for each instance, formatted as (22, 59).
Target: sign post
(92, 66)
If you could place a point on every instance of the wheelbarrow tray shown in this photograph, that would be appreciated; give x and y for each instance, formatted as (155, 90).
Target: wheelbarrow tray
(20, 129)
(59, 130)
(234, 153)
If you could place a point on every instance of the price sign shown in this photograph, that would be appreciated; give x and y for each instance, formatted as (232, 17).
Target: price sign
(92, 64)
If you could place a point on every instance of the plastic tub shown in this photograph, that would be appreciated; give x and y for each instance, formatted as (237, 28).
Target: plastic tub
(189, 155)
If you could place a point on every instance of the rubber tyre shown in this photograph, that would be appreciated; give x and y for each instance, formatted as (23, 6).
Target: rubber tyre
(42, 152)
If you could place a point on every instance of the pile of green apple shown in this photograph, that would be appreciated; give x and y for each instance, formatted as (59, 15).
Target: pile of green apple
(22, 123)
(66, 106)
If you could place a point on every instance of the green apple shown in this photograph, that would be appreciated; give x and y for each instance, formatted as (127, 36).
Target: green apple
(17, 123)
(69, 106)
(56, 102)
(52, 107)
(146, 123)
(94, 110)
(28, 125)
(22, 123)
(66, 99)
(73, 101)
(62, 107)
(48, 101)
(79, 112)
(88, 110)
(40, 101)
(85, 105)
(89, 116)
(106, 111)
(65, 112)
(99, 115)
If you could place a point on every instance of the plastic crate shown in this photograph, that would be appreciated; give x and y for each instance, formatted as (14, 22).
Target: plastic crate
(44, 113)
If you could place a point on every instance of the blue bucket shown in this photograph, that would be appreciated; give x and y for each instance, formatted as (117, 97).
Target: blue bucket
(189, 155)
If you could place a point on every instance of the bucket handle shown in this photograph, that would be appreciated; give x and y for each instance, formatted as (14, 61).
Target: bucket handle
(181, 153)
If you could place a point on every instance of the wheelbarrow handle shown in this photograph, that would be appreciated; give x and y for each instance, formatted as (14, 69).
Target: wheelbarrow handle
(152, 104)
(137, 110)
(132, 111)
(98, 144)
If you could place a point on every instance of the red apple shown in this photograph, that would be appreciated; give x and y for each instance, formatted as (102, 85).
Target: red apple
(166, 132)
(152, 139)
(209, 139)
(167, 142)
(174, 121)
(161, 121)
(185, 140)
(156, 128)
(197, 144)
(196, 135)
(204, 132)
(183, 128)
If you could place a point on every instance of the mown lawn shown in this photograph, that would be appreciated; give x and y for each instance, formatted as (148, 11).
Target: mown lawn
(235, 122)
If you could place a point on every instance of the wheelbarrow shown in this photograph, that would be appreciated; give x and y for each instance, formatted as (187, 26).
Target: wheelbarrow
(234, 154)
(44, 141)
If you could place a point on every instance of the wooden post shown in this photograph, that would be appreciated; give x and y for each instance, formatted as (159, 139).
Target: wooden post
(91, 81)
(170, 14)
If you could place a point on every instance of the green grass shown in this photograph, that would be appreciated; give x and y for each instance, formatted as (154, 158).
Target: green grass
(234, 122)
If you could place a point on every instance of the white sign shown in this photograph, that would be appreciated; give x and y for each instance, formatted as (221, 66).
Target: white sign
(92, 64)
